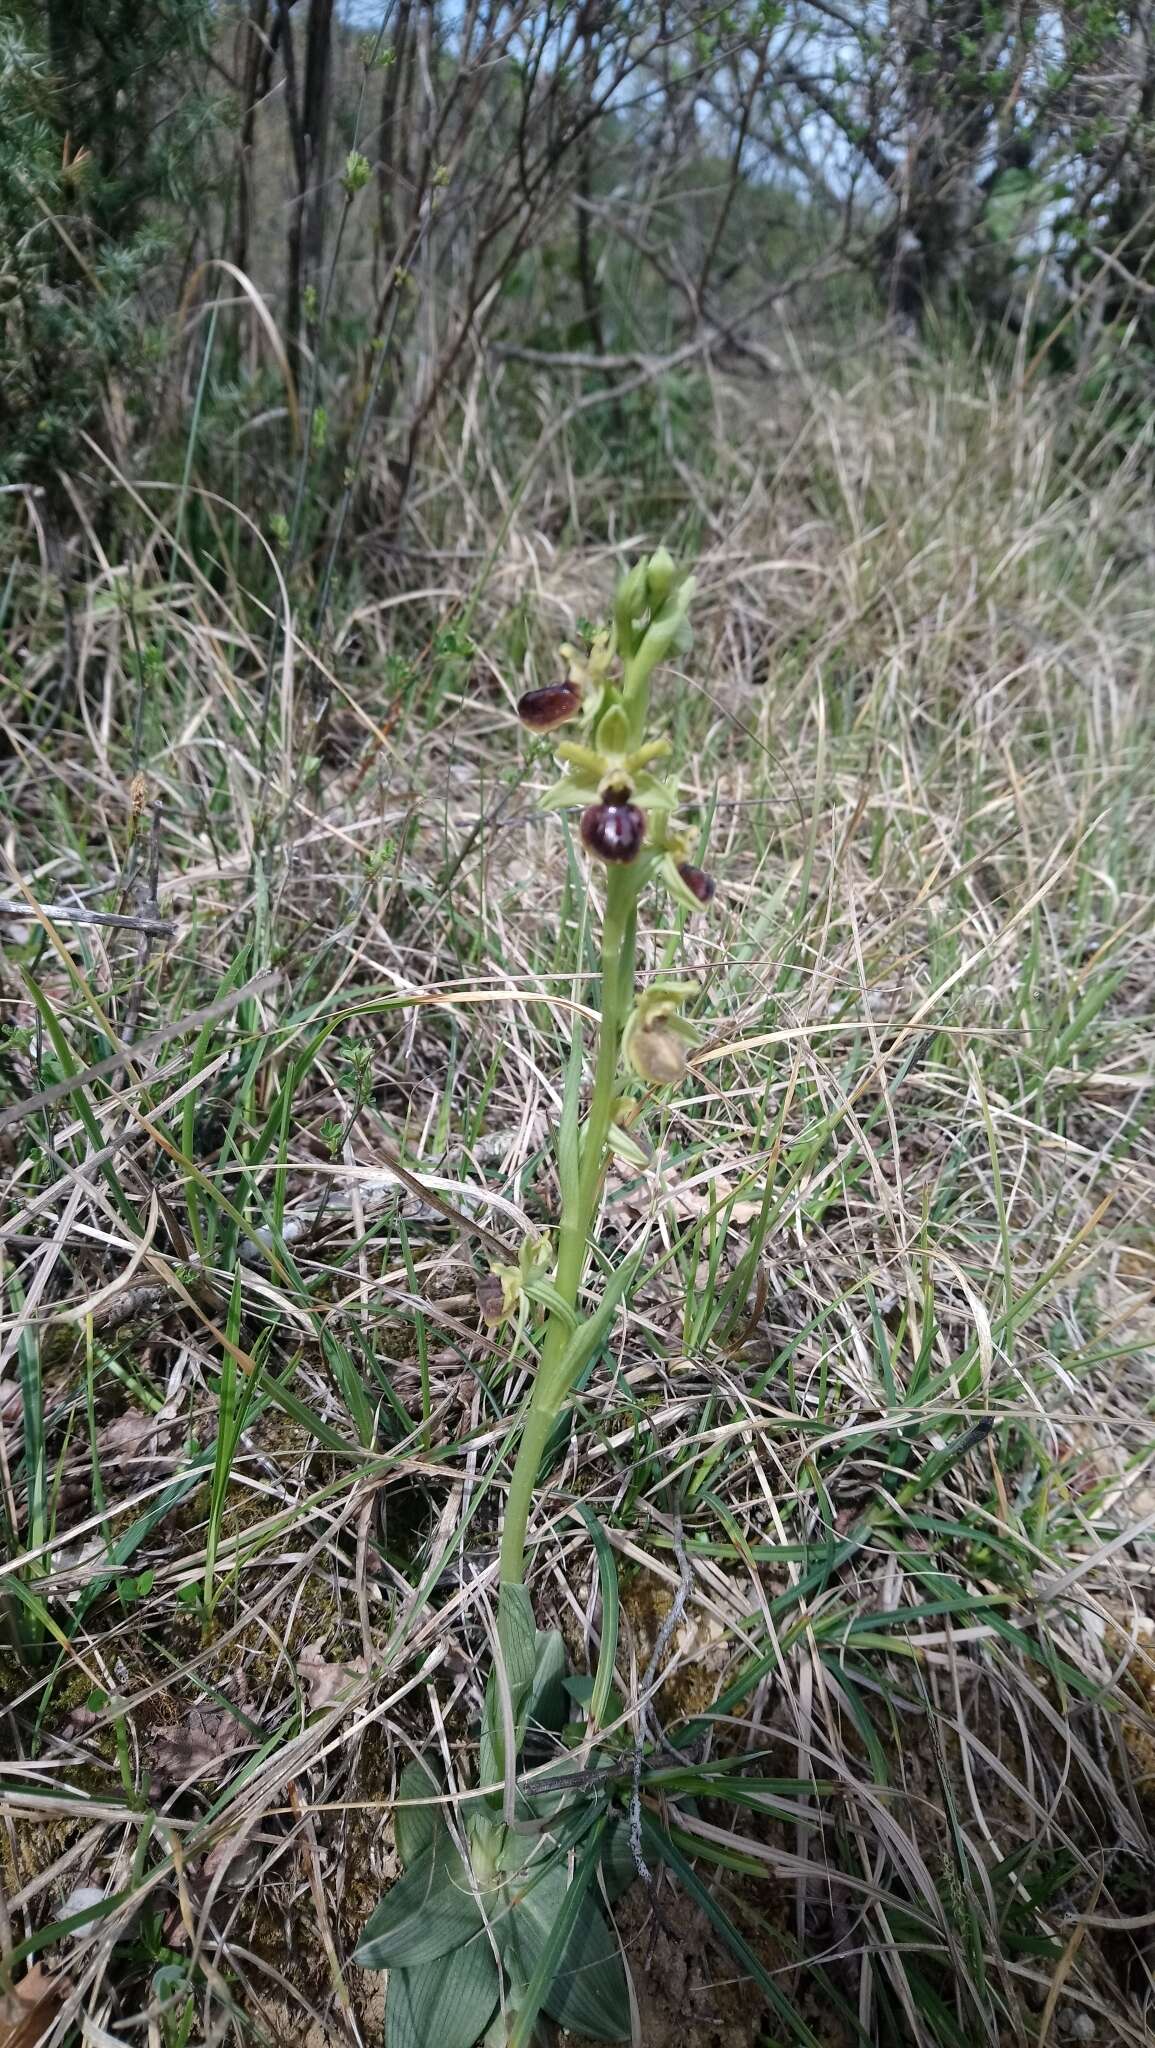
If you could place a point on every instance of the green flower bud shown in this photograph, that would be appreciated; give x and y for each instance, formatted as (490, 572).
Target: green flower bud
(630, 602)
(661, 573)
(670, 632)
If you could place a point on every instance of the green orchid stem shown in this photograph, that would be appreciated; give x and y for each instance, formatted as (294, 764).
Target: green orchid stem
(551, 1389)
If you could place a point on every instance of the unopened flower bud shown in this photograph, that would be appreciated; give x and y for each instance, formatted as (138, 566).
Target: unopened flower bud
(698, 882)
(541, 710)
(660, 574)
(614, 830)
(630, 601)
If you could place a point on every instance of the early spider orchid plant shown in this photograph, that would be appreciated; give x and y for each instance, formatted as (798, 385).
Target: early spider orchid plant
(496, 1919)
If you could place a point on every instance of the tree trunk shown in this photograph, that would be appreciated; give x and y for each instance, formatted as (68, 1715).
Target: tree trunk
(254, 31)
(315, 110)
(293, 279)
(586, 267)
(393, 144)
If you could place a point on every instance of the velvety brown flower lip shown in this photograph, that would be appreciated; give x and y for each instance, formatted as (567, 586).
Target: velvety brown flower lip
(614, 830)
(541, 710)
(490, 1297)
(697, 881)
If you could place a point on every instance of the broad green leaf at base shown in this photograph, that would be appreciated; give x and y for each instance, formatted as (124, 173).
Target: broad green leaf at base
(430, 1910)
(588, 1993)
(416, 1828)
(444, 2004)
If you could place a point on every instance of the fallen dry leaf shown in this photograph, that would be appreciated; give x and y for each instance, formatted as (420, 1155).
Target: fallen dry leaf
(323, 1681)
(236, 1859)
(196, 1750)
(94, 2036)
(74, 1564)
(27, 2011)
(126, 1435)
(705, 1198)
(712, 1197)
(135, 1436)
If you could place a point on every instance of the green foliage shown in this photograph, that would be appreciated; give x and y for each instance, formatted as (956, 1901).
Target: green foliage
(429, 1911)
(518, 1645)
(1012, 198)
(450, 2001)
(93, 164)
(583, 1981)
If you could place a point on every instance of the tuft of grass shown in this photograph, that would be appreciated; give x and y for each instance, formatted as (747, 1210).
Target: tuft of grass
(876, 1417)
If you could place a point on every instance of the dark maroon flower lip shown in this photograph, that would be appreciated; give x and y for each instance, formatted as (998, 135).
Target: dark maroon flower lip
(541, 710)
(697, 881)
(614, 829)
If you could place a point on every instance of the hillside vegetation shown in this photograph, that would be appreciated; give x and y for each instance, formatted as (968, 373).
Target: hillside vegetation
(846, 1528)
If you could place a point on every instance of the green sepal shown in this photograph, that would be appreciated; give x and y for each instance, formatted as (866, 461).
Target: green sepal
(565, 794)
(449, 2002)
(652, 794)
(613, 731)
(626, 1148)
